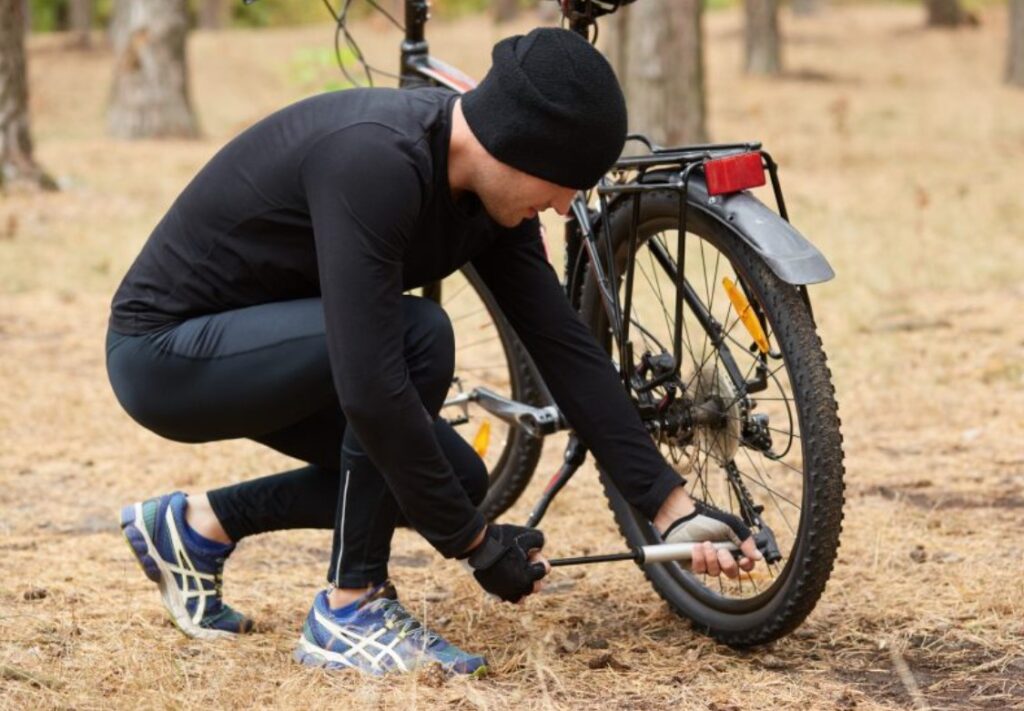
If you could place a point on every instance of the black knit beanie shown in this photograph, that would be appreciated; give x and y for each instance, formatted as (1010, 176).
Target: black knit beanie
(551, 107)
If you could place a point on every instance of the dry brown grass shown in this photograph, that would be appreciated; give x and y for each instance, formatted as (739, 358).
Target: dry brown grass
(901, 153)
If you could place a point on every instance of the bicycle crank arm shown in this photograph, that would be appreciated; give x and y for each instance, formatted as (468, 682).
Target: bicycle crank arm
(535, 421)
(645, 555)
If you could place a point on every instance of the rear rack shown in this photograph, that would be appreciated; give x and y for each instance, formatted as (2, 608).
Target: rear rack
(660, 169)
(682, 160)
(661, 156)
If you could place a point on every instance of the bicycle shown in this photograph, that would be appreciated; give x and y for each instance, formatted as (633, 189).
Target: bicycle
(644, 264)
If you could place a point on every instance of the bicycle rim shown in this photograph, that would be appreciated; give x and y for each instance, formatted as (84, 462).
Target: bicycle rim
(775, 474)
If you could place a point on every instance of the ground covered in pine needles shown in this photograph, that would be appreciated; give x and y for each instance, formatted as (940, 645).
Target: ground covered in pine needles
(901, 152)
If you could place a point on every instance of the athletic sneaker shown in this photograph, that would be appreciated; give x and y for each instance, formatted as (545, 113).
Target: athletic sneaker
(185, 565)
(376, 635)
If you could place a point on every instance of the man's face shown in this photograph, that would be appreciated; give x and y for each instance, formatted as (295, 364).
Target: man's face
(511, 196)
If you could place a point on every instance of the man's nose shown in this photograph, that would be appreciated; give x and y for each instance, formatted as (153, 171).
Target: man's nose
(561, 203)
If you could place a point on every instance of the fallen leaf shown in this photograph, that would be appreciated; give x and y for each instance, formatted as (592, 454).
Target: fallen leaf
(432, 675)
(769, 661)
(571, 643)
(846, 701)
(606, 660)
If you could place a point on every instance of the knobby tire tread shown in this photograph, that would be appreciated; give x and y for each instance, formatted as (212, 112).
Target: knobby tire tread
(815, 549)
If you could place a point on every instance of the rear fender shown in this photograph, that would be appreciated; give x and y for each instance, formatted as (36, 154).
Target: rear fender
(789, 254)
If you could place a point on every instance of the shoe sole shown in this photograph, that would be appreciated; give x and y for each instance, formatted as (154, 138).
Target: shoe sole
(153, 566)
(308, 654)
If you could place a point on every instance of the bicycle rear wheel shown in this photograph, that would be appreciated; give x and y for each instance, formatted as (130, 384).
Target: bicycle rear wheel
(782, 442)
(489, 354)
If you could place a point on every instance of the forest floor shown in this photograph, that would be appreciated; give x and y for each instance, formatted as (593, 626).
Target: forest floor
(901, 153)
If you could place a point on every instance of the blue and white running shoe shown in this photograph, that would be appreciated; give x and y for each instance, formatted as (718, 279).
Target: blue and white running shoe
(376, 635)
(186, 566)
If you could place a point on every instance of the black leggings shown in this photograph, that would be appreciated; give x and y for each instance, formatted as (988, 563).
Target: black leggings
(263, 373)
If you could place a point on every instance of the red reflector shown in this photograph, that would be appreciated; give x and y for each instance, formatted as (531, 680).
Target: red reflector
(734, 173)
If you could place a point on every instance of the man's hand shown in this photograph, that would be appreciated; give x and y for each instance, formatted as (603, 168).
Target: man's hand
(508, 562)
(706, 559)
(705, 525)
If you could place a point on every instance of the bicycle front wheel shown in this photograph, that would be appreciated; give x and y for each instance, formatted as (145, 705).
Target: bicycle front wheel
(757, 435)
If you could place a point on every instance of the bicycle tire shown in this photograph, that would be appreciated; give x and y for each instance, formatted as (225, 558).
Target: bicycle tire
(514, 468)
(813, 552)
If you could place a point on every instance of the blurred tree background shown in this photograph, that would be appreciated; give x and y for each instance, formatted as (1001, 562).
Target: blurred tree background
(657, 47)
(17, 163)
(74, 15)
(764, 45)
(150, 95)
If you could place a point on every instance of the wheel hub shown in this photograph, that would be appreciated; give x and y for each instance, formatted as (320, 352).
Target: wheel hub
(717, 413)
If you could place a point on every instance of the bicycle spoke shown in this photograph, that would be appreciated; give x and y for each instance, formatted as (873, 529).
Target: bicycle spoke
(474, 344)
(657, 287)
(761, 482)
(670, 322)
(702, 477)
(445, 300)
(773, 495)
(658, 238)
(703, 374)
(703, 261)
(786, 433)
(476, 368)
(463, 317)
(787, 466)
(706, 352)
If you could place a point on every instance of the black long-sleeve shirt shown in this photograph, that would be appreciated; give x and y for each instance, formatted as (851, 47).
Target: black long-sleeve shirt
(346, 196)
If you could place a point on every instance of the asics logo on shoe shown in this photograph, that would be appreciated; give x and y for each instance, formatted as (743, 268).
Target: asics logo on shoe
(188, 575)
(369, 648)
(378, 636)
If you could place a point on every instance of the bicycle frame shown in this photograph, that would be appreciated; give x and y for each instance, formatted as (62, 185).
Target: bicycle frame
(588, 231)
(418, 68)
(663, 169)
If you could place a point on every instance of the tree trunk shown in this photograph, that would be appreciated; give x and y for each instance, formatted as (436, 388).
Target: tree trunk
(16, 163)
(1015, 57)
(657, 49)
(505, 10)
(945, 13)
(150, 97)
(81, 23)
(762, 48)
(805, 8)
(213, 14)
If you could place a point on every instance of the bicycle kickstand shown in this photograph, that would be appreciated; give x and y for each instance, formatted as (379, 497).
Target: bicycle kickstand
(575, 454)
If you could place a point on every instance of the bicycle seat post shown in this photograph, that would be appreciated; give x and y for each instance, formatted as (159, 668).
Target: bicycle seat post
(414, 46)
(581, 18)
